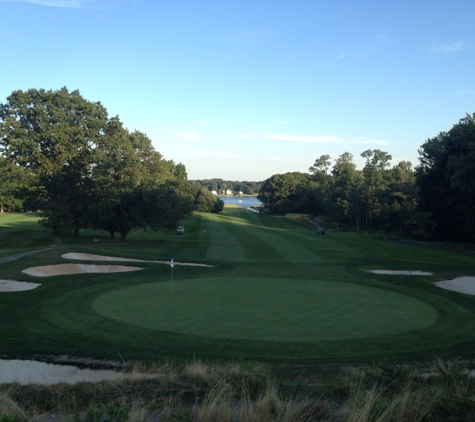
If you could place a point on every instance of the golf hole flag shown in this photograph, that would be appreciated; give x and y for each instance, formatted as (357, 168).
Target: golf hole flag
(172, 264)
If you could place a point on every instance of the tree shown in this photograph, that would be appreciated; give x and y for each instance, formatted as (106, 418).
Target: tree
(51, 134)
(205, 201)
(134, 187)
(14, 186)
(323, 181)
(375, 182)
(281, 193)
(346, 190)
(88, 170)
(402, 200)
(446, 182)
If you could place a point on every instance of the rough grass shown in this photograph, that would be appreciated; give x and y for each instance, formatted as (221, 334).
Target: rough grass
(198, 391)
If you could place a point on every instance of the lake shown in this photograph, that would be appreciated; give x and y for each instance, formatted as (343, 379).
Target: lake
(241, 201)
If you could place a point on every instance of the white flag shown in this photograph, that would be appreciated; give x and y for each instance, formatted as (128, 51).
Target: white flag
(172, 264)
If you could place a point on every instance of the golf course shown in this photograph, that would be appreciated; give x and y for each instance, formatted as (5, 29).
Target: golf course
(243, 286)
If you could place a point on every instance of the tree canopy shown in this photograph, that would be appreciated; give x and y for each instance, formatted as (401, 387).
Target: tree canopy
(446, 181)
(375, 197)
(85, 169)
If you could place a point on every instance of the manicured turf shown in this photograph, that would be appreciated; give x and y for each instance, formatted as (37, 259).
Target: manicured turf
(276, 292)
(267, 309)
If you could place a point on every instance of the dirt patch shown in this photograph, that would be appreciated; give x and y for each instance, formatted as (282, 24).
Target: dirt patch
(403, 272)
(16, 286)
(63, 269)
(91, 257)
(460, 284)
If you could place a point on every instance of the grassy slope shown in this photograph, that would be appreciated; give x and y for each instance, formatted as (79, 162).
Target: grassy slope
(269, 275)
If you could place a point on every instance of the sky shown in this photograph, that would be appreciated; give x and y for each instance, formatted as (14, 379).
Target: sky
(242, 90)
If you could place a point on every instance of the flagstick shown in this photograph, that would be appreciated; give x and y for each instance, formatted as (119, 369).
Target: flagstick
(172, 264)
(171, 285)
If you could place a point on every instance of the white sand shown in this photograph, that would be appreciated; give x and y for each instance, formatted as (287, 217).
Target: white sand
(460, 284)
(63, 269)
(403, 272)
(16, 286)
(31, 372)
(91, 257)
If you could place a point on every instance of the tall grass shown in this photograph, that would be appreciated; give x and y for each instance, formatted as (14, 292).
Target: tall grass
(192, 392)
(202, 392)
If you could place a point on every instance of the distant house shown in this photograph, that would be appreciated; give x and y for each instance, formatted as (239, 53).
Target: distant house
(214, 192)
(229, 192)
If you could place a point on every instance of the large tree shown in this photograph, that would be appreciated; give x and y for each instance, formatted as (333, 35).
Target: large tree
(51, 135)
(446, 181)
(134, 187)
(88, 170)
(375, 182)
(347, 182)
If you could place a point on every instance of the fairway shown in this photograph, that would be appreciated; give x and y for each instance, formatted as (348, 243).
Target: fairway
(271, 290)
(267, 309)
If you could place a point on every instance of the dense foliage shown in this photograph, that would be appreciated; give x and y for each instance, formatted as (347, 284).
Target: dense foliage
(434, 201)
(64, 155)
(446, 180)
(375, 197)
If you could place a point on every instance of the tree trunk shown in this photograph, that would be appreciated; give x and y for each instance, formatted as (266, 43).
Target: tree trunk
(112, 233)
(123, 235)
(57, 239)
(76, 232)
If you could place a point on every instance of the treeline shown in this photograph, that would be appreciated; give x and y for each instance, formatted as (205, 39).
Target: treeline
(220, 186)
(63, 155)
(435, 200)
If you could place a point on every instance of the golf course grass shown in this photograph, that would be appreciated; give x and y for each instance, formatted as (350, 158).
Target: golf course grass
(275, 292)
(259, 308)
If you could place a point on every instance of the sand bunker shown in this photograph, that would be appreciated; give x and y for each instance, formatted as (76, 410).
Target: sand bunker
(404, 272)
(30, 372)
(91, 257)
(16, 286)
(460, 284)
(63, 269)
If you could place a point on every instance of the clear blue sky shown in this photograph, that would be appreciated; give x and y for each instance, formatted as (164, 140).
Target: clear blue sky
(241, 89)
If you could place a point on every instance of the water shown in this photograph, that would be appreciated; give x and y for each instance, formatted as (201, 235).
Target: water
(241, 201)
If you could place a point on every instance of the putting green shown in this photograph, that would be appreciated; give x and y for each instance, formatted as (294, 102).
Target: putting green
(270, 309)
